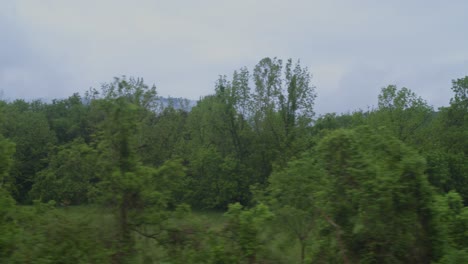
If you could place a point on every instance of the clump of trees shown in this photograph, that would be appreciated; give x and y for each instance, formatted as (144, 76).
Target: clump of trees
(386, 185)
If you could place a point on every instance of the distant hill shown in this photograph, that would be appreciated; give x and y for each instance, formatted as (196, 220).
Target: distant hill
(178, 103)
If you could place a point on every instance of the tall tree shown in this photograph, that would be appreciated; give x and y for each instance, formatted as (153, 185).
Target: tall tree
(404, 114)
(217, 152)
(27, 126)
(282, 104)
(69, 119)
(7, 204)
(294, 196)
(448, 157)
(163, 136)
(70, 176)
(138, 193)
(359, 197)
(381, 199)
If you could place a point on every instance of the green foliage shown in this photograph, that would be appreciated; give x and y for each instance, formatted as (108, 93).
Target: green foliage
(386, 185)
(162, 136)
(460, 90)
(132, 90)
(8, 227)
(218, 154)
(451, 130)
(332, 121)
(7, 149)
(244, 228)
(282, 106)
(185, 239)
(69, 119)
(238, 135)
(138, 194)
(294, 195)
(363, 188)
(379, 195)
(403, 113)
(50, 236)
(452, 225)
(70, 176)
(455, 257)
(26, 125)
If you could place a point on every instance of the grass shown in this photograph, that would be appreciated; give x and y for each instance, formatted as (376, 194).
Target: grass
(198, 229)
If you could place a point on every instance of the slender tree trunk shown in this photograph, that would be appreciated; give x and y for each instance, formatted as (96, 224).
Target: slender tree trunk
(338, 231)
(303, 245)
(125, 243)
(252, 259)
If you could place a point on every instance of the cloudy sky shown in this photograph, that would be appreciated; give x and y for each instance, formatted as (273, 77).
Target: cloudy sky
(53, 48)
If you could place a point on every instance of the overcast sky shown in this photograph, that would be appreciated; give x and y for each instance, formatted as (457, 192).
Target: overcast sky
(53, 48)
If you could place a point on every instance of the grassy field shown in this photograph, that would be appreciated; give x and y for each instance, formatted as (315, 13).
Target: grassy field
(194, 237)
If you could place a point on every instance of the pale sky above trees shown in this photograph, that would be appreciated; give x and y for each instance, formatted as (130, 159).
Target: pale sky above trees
(54, 48)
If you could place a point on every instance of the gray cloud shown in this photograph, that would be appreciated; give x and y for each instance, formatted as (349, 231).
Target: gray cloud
(356, 89)
(24, 71)
(353, 48)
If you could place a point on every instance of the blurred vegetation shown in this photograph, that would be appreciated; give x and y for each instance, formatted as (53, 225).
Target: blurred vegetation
(248, 175)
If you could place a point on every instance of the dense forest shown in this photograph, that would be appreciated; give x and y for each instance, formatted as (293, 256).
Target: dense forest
(250, 174)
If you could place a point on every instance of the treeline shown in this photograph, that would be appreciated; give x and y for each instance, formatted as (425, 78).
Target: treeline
(386, 185)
